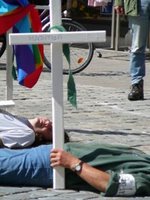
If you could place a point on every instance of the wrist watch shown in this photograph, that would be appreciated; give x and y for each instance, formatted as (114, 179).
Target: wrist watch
(77, 167)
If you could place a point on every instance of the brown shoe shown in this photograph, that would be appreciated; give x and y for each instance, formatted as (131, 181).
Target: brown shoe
(136, 92)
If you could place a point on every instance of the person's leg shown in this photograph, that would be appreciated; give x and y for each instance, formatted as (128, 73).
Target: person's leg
(26, 167)
(69, 4)
(140, 29)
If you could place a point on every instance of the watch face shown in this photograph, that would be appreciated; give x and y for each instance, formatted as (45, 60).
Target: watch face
(78, 168)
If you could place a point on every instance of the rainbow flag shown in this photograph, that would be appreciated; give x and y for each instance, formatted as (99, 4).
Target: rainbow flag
(22, 17)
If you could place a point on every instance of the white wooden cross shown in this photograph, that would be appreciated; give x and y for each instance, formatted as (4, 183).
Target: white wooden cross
(56, 39)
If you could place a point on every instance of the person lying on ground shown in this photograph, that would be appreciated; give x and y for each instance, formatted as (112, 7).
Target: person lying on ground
(112, 170)
(20, 132)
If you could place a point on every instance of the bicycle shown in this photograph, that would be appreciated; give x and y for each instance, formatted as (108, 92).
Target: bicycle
(80, 54)
(79, 59)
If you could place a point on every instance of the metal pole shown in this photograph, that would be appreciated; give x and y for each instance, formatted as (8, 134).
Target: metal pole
(9, 80)
(117, 32)
(113, 23)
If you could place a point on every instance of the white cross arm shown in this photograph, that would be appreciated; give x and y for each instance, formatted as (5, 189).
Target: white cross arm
(7, 103)
(57, 37)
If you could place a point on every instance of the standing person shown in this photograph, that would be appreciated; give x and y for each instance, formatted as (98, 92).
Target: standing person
(138, 12)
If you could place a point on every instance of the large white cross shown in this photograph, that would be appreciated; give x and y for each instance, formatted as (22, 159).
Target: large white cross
(56, 39)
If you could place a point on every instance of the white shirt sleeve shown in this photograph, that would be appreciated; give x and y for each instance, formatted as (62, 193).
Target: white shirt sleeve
(14, 133)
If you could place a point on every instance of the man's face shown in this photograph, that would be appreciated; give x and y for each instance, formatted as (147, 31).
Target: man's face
(43, 127)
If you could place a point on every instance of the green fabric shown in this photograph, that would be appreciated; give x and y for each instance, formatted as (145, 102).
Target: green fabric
(113, 185)
(14, 74)
(118, 3)
(72, 90)
(130, 6)
(66, 51)
(72, 96)
(112, 159)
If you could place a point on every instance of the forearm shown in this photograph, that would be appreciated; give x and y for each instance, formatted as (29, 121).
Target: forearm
(95, 177)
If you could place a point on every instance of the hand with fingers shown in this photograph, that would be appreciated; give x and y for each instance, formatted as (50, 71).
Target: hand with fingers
(62, 158)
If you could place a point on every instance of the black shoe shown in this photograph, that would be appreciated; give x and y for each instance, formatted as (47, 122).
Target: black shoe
(136, 92)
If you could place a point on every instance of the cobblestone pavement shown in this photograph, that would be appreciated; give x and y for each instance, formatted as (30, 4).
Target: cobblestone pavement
(104, 114)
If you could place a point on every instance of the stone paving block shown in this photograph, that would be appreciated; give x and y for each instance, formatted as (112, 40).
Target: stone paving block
(103, 114)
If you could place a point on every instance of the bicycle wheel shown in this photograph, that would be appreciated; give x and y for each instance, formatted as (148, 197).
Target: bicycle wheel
(80, 54)
(2, 44)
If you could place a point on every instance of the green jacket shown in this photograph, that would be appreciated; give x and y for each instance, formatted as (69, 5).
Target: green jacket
(130, 6)
(113, 159)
